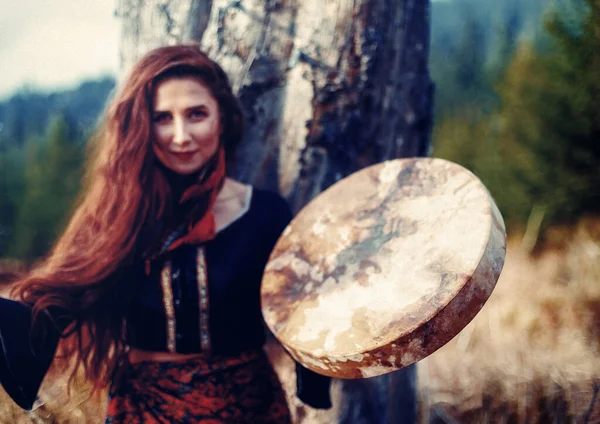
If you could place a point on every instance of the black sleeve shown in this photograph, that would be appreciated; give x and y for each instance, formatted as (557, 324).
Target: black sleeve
(281, 216)
(311, 388)
(25, 355)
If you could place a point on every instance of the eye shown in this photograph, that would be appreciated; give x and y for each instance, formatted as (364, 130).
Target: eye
(161, 117)
(198, 113)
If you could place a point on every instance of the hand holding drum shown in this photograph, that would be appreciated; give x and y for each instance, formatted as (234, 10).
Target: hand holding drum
(384, 267)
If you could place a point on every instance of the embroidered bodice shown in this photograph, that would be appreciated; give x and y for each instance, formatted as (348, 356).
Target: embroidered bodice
(172, 309)
(206, 298)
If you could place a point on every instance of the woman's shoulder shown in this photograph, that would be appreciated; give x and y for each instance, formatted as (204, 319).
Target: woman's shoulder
(272, 206)
(233, 201)
(269, 215)
(269, 199)
(247, 195)
(237, 200)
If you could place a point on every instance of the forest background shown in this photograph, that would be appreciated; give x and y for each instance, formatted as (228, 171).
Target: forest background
(518, 103)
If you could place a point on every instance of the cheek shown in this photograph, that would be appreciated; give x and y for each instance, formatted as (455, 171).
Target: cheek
(208, 135)
(158, 153)
(161, 136)
(160, 144)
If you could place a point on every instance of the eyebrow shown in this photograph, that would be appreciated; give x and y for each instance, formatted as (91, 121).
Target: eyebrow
(198, 106)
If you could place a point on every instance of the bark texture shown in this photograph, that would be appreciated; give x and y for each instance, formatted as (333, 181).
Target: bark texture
(328, 87)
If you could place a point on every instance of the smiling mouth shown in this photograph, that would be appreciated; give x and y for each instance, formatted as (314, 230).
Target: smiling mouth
(183, 155)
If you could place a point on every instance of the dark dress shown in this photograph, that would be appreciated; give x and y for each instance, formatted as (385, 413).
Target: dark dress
(195, 299)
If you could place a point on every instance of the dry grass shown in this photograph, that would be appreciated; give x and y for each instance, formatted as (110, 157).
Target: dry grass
(55, 405)
(531, 355)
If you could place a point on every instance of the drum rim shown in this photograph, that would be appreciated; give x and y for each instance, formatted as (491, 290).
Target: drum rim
(493, 214)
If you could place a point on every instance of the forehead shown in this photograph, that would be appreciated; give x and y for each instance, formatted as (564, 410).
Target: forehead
(174, 93)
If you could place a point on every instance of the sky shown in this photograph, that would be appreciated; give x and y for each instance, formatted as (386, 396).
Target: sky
(54, 44)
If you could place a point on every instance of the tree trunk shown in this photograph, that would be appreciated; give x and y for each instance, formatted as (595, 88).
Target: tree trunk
(328, 87)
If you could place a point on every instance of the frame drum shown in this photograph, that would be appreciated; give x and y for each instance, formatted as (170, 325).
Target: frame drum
(384, 267)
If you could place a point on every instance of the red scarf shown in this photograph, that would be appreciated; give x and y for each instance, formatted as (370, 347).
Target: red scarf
(205, 228)
(202, 229)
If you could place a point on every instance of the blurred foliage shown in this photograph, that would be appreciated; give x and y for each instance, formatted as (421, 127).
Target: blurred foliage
(42, 148)
(472, 41)
(535, 142)
(40, 182)
(517, 102)
(28, 113)
(11, 192)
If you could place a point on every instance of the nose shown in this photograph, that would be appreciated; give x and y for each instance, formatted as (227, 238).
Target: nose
(181, 132)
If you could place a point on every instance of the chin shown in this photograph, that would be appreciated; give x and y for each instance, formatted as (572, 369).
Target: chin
(186, 170)
(186, 167)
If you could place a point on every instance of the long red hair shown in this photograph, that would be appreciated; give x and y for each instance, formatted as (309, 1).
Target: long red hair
(125, 193)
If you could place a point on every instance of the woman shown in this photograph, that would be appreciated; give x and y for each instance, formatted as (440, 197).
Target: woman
(154, 285)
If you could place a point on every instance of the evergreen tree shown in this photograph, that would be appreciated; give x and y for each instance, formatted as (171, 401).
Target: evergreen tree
(540, 149)
(28, 113)
(11, 189)
(508, 38)
(551, 117)
(52, 179)
(458, 70)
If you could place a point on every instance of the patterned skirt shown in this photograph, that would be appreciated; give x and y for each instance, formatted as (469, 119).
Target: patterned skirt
(244, 389)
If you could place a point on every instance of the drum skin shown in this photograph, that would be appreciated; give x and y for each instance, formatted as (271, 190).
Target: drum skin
(384, 267)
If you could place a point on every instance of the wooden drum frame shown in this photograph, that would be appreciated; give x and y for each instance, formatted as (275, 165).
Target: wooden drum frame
(384, 267)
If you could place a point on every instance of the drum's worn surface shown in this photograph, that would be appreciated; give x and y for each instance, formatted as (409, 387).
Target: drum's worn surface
(384, 267)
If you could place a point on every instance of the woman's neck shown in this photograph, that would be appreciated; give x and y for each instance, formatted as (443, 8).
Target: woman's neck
(179, 183)
(232, 202)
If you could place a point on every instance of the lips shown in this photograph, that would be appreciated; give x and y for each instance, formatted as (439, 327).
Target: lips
(183, 156)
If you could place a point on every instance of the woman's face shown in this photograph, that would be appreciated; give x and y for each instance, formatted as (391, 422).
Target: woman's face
(186, 124)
